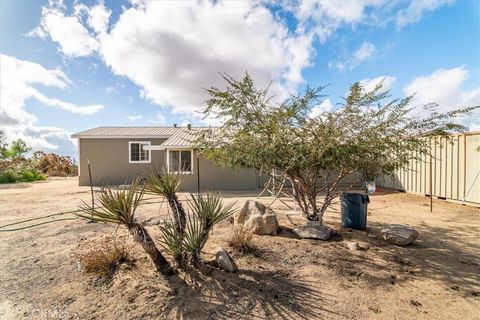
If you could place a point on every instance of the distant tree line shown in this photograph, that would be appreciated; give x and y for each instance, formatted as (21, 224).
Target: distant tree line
(16, 166)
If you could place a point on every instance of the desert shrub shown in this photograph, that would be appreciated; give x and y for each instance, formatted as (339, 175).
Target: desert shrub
(54, 165)
(103, 260)
(21, 175)
(118, 207)
(241, 240)
(207, 211)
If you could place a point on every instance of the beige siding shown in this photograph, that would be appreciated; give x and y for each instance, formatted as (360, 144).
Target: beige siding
(454, 164)
(110, 166)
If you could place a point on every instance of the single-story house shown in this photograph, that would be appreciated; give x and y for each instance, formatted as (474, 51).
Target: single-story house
(119, 154)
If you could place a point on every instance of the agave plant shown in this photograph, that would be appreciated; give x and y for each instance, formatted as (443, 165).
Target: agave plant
(118, 207)
(209, 210)
(166, 184)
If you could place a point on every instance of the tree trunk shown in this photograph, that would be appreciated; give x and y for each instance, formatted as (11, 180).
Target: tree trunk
(141, 236)
(179, 215)
(196, 258)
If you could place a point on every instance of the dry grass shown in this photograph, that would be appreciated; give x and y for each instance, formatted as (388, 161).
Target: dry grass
(102, 260)
(241, 240)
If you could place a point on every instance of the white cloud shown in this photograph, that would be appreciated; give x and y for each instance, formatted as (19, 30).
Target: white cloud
(172, 50)
(157, 119)
(324, 17)
(68, 31)
(445, 87)
(416, 9)
(134, 117)
(365, 52)
(47, 139)
(386, 81)
(318, 110)
(18, 78)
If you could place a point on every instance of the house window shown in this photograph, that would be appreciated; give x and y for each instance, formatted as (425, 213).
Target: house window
(180, 161)
(136, 153)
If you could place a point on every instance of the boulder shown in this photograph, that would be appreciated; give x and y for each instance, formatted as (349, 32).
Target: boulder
(224, 261)
(313, 230)
(398, 234)
(257, 218)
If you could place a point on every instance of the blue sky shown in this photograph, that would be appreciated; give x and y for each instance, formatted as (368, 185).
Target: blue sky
(73, 65)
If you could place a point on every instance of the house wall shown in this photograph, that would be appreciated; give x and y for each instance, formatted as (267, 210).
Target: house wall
(110, 166)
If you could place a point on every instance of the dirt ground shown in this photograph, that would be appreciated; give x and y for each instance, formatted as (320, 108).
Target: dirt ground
(438, 277)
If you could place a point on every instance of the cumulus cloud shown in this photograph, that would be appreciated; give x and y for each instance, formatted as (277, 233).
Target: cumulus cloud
(324, 17)
(172, 50)
(318, 110)
(446, 88)
(386, 81)
(17, 86)
(68, 31)
(416, 9)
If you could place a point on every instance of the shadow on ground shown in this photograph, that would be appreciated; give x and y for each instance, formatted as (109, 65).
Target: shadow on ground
(250, 293)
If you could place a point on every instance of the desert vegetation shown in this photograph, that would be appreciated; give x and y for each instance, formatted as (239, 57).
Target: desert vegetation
(16, 166)
(183, 235)
(371, 133)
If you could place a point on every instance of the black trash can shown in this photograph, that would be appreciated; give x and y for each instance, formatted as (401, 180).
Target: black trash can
(354, 210)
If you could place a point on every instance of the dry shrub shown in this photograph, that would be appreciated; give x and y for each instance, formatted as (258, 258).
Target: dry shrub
(241, 240)
(103, 260)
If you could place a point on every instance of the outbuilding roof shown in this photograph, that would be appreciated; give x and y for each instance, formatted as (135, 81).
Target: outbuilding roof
(176, 136)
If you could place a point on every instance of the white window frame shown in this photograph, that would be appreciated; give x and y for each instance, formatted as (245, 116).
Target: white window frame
(180, 160)
(130, 152)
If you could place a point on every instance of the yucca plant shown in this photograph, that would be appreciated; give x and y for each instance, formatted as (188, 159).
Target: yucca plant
(166, 184)
(118, 207)
(181, 247)
(209, 210)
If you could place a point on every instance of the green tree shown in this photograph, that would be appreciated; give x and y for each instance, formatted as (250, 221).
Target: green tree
(3, 145)
(370, 132)
(18, 149)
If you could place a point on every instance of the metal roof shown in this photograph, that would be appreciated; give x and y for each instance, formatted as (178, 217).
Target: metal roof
(176, 136)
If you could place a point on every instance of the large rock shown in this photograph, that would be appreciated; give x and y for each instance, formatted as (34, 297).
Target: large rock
(313, 230)
(224, 261)
(398, 234)
(257, 218)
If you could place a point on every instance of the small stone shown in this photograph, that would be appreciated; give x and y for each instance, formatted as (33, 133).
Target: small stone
(398, 234)
(313, 230)
(353, 246)
(225, 262)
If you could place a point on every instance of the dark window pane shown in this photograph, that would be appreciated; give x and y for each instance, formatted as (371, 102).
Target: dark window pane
(134, 152)
(174, 161)
(144, 153)
(186, 161)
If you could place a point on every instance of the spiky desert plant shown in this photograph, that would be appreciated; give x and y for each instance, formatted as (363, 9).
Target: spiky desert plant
(166, 184)
(118, 207)
(209, 210)
(181, 247)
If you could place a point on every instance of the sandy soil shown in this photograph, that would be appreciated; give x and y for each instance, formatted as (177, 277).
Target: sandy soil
(438, 277)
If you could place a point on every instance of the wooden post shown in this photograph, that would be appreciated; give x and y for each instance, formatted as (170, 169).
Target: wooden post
(431, 189)
(91, 185)
(198, 175)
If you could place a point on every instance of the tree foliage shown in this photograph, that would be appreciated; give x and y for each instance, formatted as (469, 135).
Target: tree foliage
(369, 133)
